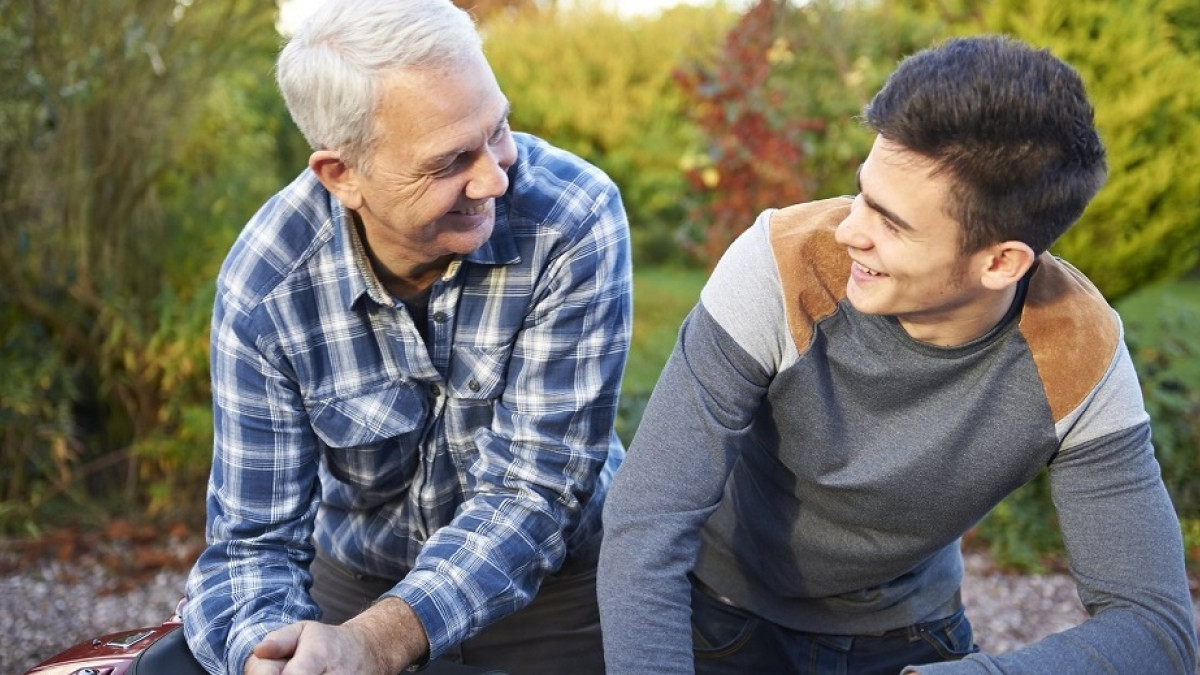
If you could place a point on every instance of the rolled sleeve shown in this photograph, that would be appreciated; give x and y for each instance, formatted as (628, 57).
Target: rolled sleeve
(262, 499)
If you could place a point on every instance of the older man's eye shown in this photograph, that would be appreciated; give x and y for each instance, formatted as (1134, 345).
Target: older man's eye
(499, 134)
(450, 166)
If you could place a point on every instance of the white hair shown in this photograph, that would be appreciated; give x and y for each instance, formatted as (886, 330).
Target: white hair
(332, 69)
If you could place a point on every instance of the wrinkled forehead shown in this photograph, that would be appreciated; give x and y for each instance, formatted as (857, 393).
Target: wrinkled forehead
(436, 110)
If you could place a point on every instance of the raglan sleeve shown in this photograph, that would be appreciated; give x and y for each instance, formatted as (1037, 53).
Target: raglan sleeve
(727, 351)
(1123, 540)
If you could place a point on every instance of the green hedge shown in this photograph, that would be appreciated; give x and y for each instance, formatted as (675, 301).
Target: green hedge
(601, 86)
(1139, 62)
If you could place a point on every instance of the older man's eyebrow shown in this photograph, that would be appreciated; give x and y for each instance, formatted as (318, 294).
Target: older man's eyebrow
(880, 208)
(450, 155)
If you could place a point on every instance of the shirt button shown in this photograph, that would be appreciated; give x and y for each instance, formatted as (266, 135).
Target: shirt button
(473, 385)
(439, 316)
(437, 391)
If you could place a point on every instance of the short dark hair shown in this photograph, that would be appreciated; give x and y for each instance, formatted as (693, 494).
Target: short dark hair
(1011, 125)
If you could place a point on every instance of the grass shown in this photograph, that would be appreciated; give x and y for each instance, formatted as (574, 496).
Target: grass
(662, 297)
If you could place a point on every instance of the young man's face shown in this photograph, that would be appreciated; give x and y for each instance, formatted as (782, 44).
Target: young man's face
(439, 164)
(905, 250)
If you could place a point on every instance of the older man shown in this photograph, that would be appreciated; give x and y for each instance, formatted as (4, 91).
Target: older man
(417, 349)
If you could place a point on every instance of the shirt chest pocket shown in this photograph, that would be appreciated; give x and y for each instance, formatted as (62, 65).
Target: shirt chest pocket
(479, 373)
(476, 382)
(373, 438)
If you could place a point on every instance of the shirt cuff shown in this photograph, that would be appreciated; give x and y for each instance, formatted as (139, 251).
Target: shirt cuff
(442, 610)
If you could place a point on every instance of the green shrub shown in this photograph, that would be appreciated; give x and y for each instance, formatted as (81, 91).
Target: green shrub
(1161, 325)
(1139, 63)
(837, 56)
(600, 86)
(1022, 531)
(38, 450)
(140, 152)
(780, 108)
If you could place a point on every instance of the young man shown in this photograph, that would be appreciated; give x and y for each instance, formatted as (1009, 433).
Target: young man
(864, 379)
(417, 350)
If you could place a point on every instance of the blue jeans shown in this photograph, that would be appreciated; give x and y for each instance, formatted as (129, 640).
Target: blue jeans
(730, 641)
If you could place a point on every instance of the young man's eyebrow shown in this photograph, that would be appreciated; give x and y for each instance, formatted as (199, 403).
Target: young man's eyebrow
(877, 207)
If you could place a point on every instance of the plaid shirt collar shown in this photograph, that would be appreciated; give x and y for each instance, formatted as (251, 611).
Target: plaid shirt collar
(361, 280)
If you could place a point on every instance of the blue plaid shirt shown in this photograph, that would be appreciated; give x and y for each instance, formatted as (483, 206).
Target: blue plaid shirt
(467, 466)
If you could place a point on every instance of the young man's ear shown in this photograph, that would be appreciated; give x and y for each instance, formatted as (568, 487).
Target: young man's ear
(339, 179)
(1006, 263)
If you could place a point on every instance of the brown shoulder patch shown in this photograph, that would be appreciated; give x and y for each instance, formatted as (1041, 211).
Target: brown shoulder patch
(1071, 331)
(813, 269)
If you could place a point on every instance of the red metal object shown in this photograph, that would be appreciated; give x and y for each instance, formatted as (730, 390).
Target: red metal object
(125, 653)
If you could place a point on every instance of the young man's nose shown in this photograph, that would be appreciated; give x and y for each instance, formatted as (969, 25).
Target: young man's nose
(850, 231)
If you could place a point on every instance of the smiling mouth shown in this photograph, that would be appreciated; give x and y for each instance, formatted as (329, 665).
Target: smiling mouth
(867, 270)
(474, 210)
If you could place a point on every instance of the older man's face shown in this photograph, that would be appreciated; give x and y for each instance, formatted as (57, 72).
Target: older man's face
(441, 159)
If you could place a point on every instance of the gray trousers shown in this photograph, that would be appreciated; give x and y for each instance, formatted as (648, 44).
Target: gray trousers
(559, 632)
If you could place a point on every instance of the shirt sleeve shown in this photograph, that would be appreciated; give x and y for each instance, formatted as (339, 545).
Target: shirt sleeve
(680, 458)
(1125, 548)
(543, 457)
(262, 500)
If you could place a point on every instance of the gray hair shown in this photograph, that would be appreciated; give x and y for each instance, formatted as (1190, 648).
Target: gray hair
(332, 69)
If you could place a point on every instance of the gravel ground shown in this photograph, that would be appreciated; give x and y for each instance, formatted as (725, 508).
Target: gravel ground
(49, 606)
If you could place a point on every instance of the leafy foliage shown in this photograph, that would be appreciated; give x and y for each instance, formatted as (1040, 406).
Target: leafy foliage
(780, 107)
(600, 86)
(1022, 531)
(755, 150)
(1139, 61)
(840, 56)
(110, 144)
(1161, 325)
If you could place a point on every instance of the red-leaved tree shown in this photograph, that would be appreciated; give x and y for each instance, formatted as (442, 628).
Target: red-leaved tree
(755, 155)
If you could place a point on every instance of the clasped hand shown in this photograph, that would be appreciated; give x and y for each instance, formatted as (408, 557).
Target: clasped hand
(367, 644)
(311, 648)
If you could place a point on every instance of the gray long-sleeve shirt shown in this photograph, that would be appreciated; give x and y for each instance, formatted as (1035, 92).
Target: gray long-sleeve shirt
(818, 466)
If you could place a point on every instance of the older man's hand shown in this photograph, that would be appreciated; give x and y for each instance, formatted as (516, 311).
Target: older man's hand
(381, 641)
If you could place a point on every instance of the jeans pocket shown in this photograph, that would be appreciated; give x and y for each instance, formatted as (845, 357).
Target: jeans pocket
(718, 629)
(951, 637)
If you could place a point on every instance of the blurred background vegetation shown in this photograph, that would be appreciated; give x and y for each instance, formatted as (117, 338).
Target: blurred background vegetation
(138, 136)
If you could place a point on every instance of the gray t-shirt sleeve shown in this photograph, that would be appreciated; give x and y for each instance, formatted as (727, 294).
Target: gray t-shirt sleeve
(676, 468)
(744, 297)
(1124, 544)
